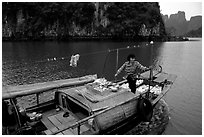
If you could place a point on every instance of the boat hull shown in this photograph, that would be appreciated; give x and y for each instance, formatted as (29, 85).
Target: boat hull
(100, 115)
(116, 115)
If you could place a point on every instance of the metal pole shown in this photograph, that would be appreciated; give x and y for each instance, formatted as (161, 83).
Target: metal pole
(37, 96)
(150, 74)
(105, 63)
(116, 67)
(78, 128)
(16, 111)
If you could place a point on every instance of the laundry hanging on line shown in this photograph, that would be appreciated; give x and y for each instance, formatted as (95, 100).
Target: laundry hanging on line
(74, 60)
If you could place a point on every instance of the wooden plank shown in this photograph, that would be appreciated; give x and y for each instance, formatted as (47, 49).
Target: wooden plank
(80, 115)
(83, 128)
(55, 121)
(61, 127)
(59, 133)
(48, 132)
(88, 132)
(161, 77)
(47, 123)
(74, 131)
(68, 132)
(60, 117)
(64, 120)
(165, 90)
(54, 129)
(45, 119)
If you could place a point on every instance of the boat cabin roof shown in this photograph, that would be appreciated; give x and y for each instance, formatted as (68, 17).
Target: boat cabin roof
(95, 102)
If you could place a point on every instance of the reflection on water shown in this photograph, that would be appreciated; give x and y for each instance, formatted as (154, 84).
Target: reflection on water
(26, 62)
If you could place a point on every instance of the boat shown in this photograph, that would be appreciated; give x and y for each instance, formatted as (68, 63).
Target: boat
(88, 105)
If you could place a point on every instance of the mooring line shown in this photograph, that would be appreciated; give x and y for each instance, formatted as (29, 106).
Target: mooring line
(86, 54)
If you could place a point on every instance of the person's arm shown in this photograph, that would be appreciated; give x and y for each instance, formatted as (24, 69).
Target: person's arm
(120, 69)
(140, 66)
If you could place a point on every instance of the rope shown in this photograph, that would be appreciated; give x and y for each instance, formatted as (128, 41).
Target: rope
(87, 54)
(107, 55)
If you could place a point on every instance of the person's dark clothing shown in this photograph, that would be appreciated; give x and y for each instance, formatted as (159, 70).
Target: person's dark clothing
(132, 83)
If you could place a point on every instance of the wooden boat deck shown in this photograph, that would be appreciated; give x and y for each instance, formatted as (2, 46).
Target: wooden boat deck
(55, 121)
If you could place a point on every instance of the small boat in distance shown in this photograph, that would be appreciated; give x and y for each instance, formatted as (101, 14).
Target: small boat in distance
(88, 105)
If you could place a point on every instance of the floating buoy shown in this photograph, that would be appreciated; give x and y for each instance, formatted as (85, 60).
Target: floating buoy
(151, 42)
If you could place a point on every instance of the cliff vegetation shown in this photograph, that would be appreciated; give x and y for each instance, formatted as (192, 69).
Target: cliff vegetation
(83, 20)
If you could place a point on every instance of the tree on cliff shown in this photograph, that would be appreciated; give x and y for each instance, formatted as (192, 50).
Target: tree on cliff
(128, 18)
(59, 19)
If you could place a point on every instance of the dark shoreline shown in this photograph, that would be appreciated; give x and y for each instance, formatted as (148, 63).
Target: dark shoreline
(96, 38)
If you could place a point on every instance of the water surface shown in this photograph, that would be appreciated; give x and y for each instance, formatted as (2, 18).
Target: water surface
(29, 62)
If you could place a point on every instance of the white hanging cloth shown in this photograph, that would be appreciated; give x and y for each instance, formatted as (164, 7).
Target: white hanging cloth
(74, 60)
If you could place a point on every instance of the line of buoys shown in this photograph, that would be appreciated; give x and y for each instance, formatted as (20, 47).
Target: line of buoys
(109, 50)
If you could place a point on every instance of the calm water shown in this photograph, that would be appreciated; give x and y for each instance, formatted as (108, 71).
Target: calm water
(27, 62)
